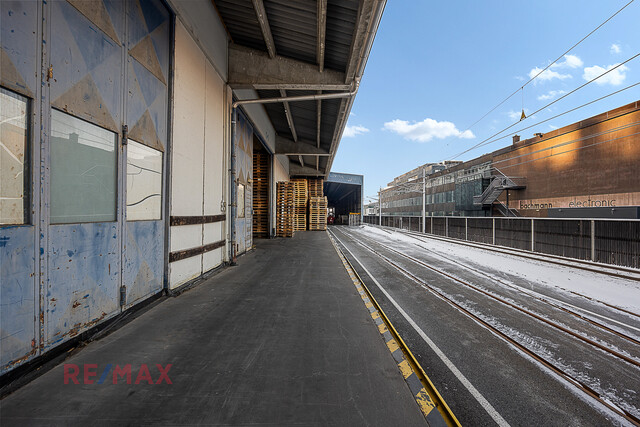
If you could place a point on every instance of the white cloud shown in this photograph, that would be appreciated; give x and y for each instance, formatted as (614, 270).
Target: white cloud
(352, 131)
(426, 130)
(547, 75)
(519, 78)
(615, 48)
(552, 127)
(550, 95)
(570, 61)
(614, 78)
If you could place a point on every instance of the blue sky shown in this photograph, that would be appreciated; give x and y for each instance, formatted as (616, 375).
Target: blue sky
(437, 67)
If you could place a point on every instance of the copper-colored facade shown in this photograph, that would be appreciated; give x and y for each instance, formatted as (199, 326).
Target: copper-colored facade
(592, 163)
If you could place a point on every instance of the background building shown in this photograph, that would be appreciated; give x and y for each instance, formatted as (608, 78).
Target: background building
(588, 169)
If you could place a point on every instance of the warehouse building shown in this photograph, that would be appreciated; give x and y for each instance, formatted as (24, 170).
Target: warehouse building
(584, 170)
(142, 142)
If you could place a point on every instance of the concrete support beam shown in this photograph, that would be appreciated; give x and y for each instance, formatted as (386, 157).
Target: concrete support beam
(297, 170)
(300, 148)
(318, 118)
(322, 31)
(261, 14)
(254, 69)
(287, 112)
(364, 26)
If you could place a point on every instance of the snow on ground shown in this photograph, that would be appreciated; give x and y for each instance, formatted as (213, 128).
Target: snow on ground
(620, 292)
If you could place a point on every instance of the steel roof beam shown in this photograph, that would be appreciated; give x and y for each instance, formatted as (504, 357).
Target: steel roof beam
(318, 118)
(254, 69)
(261, 14)
(300, 148)
(287, 112)
(322, 32)
(297, 170)
(364, 26)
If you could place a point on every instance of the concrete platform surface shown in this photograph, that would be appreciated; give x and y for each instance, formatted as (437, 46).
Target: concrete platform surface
(281, 339)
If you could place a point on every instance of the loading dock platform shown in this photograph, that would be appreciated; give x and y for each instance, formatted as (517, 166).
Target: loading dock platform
(282, 338)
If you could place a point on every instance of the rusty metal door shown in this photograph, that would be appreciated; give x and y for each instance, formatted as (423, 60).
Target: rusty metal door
(108, 89)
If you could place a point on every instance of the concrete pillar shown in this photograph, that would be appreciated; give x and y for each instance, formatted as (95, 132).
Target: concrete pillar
(533, 238)
(494, 231)
(593, 240)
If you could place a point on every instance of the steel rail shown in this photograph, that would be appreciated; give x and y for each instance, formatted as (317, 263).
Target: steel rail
(580, 385)
(596, 344)
(544, 299)
(536, 256)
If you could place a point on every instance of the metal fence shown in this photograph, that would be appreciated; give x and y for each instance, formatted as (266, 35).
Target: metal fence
(607, 241)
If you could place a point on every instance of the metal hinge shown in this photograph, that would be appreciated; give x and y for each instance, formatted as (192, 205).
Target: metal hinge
(125, 134)
(123, 296)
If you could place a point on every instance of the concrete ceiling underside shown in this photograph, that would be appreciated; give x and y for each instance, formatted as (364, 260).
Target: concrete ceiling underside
(285, 48)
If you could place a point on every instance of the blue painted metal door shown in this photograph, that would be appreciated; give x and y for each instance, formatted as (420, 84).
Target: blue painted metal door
(105, 64)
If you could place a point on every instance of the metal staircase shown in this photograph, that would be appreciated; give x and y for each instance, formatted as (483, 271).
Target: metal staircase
(499, 183)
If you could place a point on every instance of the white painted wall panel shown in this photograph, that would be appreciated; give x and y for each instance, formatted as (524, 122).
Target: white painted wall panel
(258, 117)
(201, 20)
(281, 172)
(185, 237)
(212, 259)
(214, 132)
(199, 156)
(188, 131)
(184, 270)
(213, 232)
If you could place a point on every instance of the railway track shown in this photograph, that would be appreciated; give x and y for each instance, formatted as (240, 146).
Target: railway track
(610, 270)
(613, 271)
(580, 384)
(545, 300)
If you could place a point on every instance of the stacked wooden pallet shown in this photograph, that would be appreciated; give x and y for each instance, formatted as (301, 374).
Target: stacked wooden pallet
(284, 209)
(316, 187)
(317, 213)
(260, 194)
(300, 199)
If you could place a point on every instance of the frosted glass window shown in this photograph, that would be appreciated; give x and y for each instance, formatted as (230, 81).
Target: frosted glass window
(13, 149)
(144, 182)
(240, 201)
(83, 171)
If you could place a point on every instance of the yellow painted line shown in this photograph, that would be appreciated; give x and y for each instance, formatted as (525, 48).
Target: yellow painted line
(428, 397)
(393, 345)
(425, 402)
(405, 368)
(375, 315)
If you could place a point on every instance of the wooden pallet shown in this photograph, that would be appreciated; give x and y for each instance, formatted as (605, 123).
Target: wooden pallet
(316, 187)
(284, 209)
(300, 192)
(317, 213)
(260, 194)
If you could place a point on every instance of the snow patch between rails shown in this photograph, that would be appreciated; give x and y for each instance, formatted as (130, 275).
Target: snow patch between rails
(620, 292)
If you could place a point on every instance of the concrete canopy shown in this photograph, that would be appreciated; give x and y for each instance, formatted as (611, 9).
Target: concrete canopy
(281, 49)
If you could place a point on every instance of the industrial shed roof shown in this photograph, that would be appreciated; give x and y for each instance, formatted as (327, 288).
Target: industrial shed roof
(288, 48)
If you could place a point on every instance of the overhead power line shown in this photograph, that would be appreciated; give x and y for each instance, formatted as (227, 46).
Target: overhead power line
(548, 105)
(548, 66)
(551, 118)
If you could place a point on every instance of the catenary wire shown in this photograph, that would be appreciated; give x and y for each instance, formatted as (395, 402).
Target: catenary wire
(549, 119)
(548, 66)
(548, 105)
